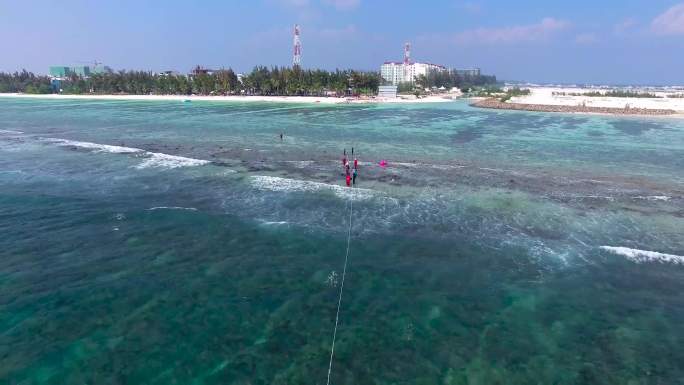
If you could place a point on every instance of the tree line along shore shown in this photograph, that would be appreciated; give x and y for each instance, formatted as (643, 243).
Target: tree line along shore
(262, 81)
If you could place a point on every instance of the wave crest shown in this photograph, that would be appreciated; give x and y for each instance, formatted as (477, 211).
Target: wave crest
(157, 159)
(640, 256)
(171, 208)
(149, 159)
(274, 183)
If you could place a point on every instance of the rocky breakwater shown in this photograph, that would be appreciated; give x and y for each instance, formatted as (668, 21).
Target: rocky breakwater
(499, 105)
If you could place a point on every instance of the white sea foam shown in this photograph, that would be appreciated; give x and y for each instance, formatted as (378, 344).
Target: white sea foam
(654, 197)
(592, 181)
(171, 208)
(226, 172)
(274, 183)
(301, 163)
(95, 146)
(270, 223)
(404, 164)
(150, 159)
(640, 256)
(445, 167)
(597, 197)
(416, 165)
(156, 159)
(10, 132)
(512, 172)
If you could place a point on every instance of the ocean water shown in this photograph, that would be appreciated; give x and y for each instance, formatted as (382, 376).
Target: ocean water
(185, 243)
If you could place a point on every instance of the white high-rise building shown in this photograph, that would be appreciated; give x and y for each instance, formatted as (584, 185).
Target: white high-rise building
(392, 72)
(397, 72)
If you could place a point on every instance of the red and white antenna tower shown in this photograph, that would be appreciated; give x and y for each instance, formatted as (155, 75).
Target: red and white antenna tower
(297, 44)
(407, 61)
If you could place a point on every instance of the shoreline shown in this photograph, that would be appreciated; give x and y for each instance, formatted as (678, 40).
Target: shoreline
(573, 100)
(237, 98)
(493, 103)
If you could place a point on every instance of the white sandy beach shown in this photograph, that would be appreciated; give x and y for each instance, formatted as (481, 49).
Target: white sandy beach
(545, 96)
(238, 98)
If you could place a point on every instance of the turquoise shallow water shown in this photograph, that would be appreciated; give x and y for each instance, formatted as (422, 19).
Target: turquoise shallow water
(162, 242)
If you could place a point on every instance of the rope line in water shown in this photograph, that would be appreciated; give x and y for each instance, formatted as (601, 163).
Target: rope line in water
(344, 273)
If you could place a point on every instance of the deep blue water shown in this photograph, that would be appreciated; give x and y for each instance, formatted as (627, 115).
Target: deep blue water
(163, 242)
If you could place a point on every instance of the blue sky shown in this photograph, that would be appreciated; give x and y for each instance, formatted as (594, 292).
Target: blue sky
(627, 41)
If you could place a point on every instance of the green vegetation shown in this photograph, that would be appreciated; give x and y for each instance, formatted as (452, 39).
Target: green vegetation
(405, 88)
(497, 92)
(676, 96)
(515, 91)
(446, 79)
(630, 94)
(261, 81)
(449, 79)
(611, 93)
(24, 81)
(485, 92)
(287, 81)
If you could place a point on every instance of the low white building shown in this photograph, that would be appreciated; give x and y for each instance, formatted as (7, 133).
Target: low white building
(389, 92)
(397, 72)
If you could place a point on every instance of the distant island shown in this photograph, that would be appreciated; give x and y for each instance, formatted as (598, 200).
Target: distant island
(593, 100)
(283, 84)
(261, 81)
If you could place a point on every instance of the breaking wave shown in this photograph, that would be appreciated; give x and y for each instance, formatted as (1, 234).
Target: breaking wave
(171, 208)
(640, 256)
(276, 223)
(157, 159)
(149, 159)
(274, 183)
(655, 198)
(95, 146)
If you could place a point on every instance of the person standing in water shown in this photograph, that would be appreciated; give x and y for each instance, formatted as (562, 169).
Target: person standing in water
(354, 177)
(348, 180)
(281, 136)
(356, 163)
